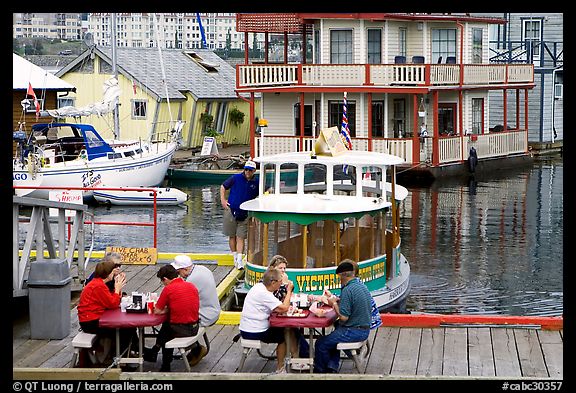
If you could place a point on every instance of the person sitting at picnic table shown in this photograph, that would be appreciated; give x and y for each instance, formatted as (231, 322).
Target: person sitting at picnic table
(259, 304)
(299, 345)
(210, 308)
(117, 259)
(353, 309)
(95, 299)
(180, 300)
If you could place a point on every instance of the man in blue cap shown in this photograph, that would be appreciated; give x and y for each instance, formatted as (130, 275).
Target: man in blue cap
(243, 187)
(353, 310)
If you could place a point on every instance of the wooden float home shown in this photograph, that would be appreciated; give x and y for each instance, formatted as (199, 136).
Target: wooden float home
(533, 38)
(400, 71)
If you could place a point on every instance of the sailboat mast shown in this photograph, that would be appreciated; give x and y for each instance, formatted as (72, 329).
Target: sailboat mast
(116, 111)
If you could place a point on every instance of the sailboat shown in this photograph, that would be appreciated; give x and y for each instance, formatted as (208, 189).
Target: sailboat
(56, 155)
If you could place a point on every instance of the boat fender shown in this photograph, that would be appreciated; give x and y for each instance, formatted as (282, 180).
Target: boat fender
(472, 160)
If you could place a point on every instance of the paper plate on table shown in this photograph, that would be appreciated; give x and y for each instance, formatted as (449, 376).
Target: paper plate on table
(321, 312)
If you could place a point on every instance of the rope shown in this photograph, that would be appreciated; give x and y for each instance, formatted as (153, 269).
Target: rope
(412, 167)
(115, 362)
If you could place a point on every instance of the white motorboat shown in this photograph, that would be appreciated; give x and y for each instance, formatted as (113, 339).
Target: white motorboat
(75, 155)
(130, 196)
(328, 217)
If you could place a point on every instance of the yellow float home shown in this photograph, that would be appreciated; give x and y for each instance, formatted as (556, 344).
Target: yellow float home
(199, 90)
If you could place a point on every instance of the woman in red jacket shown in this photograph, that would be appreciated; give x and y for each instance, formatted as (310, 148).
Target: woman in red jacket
(96, 298)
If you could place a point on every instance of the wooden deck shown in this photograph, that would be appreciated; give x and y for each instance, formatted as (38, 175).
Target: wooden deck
(397, 352)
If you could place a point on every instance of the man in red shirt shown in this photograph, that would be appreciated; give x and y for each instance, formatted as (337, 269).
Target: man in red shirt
(180, 300)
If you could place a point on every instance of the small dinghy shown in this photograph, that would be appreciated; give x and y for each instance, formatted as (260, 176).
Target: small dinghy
(164, 196)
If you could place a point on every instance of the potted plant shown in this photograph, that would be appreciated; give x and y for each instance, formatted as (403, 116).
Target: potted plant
(236, 116)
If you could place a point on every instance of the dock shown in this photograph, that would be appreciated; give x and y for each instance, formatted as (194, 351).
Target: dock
(429, 349)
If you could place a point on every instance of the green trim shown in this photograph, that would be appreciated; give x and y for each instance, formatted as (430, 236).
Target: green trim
(308, 218)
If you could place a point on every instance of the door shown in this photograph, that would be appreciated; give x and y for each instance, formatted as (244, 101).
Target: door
(307, 119)
(447, 119)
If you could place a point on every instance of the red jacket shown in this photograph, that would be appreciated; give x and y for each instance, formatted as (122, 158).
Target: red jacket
(95, 299)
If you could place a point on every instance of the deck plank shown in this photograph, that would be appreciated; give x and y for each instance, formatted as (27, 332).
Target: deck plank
(480, 353)
(383, 351)
(406, 357)
(431, 352)
(505, 355)
(455, 361)
(530, 353)
(552, 348)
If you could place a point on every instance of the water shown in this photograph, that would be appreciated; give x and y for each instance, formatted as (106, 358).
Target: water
(475, 246)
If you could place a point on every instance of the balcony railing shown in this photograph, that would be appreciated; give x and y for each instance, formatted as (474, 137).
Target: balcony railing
(270, 75)
(450, 149)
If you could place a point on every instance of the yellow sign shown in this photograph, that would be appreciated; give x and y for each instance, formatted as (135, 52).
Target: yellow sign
(329, 143)
(136, 255)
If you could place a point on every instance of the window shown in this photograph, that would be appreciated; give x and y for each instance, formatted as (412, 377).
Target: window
(377, 118)
(477, 115)
(32, 107)
(446, 119)
(443, 43)
(532, 34)
(374, 46)
(65, 101)
(476, 46)
(335, 111)
(341, 46)
(402, 41)
(221, 113)
(139, 109)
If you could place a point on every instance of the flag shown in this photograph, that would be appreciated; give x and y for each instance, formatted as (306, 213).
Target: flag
(345, 131)
(30, 92)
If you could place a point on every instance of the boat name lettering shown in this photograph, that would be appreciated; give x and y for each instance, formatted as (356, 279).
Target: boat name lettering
(398, 291)
(252, 277)
(89, 180)
(19, 176)
(139, 166)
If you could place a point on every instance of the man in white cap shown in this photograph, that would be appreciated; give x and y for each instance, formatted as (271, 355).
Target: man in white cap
(210, 308)
(243, 187)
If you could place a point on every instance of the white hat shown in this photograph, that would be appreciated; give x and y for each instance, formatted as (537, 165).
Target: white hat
(250, 165)
(181, 262)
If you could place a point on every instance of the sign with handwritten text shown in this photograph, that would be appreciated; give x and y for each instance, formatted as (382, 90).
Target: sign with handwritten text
(136, 255)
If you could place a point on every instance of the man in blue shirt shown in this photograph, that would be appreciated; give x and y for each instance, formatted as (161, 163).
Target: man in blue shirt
(243, 187)
(353, 310)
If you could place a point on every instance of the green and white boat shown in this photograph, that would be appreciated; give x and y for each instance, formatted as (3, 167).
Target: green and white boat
(346, 209)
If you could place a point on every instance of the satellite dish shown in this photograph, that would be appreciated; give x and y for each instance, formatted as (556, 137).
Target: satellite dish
(89, 39)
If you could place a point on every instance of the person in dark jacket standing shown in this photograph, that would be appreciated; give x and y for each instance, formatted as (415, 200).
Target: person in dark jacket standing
(243, 187)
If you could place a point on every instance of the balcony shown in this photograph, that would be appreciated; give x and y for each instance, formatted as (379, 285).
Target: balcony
(383, 75)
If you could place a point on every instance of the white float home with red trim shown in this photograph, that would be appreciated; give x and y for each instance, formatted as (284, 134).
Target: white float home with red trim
(400, 71)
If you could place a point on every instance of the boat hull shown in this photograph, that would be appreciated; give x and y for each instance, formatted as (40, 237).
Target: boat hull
(148, 170)
(164, 197)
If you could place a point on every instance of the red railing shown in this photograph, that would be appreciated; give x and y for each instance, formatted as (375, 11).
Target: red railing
(153, 224)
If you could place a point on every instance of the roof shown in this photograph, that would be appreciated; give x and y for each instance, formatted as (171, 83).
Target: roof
(183, 73)
(24, 72)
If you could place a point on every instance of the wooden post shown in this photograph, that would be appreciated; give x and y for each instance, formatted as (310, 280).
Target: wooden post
(372, 237)
(357, 251)
(250, 253)
(304, 245)
(337, 228)
(265, 245)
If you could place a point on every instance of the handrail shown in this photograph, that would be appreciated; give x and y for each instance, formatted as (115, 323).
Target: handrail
(148, 224)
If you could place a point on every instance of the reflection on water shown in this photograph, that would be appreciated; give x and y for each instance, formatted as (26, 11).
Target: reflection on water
(489, 246)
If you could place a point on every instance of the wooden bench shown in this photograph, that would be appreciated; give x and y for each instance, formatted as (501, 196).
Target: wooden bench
(183, 343)
(81, 341)
(355, 348)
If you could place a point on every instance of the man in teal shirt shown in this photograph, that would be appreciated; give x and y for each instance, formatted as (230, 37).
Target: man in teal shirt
(353, 310)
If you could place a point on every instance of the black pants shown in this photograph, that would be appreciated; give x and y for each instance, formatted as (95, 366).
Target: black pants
(168, 331)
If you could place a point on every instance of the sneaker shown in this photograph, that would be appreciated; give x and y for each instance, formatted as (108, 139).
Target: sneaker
(280, 371)
(194, 360)
(150, 355)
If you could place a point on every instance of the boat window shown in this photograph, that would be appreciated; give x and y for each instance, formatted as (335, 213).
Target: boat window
(128, 153)
(112, 156)
(138, 151)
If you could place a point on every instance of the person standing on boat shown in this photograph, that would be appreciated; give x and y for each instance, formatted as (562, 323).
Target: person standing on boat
(243, 187)
(353, 309)
(210, 308)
